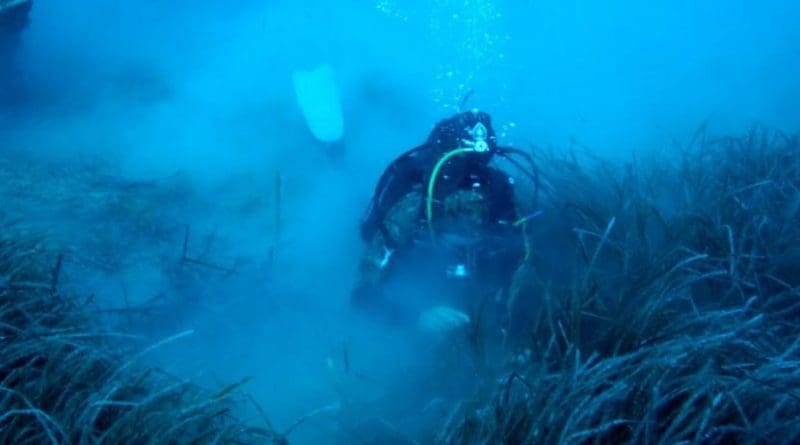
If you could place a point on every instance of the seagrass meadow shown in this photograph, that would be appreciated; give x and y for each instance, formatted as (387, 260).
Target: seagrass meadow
(68, 379)
(399, 222)
(678, 319)
(662, 307)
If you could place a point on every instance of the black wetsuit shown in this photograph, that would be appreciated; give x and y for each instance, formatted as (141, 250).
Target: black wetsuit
(500, 247)
(414, 167)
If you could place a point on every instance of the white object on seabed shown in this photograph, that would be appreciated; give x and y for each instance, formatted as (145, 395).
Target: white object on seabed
(318, 97)
(442, 319)
(458, 271)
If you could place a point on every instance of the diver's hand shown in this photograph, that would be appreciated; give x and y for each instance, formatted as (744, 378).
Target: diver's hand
(442, 319)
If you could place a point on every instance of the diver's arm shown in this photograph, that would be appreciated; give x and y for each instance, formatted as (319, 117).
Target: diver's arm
(368, 295)
(508, 243)
(503, 203)
(397, 180)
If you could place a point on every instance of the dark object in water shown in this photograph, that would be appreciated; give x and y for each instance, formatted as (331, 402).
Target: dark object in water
(13, 20)
(13, 17)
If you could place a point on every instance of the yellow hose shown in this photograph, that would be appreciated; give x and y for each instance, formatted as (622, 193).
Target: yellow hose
(432, 185)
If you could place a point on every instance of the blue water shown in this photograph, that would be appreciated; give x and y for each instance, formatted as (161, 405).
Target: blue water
(204, 89)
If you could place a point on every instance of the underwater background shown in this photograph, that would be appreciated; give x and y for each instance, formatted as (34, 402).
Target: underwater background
(187, 231)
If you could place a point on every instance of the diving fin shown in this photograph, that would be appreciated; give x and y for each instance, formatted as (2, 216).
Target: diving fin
(318, 97)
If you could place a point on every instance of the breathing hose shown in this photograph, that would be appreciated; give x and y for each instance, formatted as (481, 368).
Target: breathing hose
(506, 153)
(432, 185)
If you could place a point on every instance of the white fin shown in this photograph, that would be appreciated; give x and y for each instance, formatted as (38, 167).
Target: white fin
(318, 97)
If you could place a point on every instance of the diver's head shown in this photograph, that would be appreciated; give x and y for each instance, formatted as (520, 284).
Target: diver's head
(470, 129)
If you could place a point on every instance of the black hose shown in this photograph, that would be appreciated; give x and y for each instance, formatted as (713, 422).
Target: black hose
(532, 173)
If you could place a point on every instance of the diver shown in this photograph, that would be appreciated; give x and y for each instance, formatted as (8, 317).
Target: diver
(444, 238)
